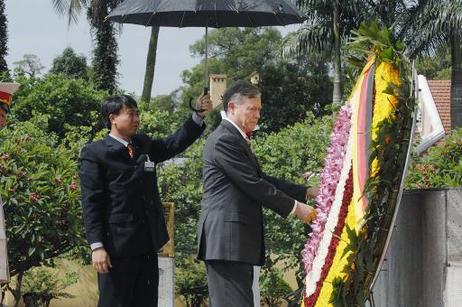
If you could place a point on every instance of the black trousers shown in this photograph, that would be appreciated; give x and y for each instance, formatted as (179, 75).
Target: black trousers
(132, 281)
(229, 283)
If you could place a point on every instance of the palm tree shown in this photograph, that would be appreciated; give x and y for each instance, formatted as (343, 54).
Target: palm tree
(105, 53)
(439, 24)
(426, 26)
(105, 57)
(328, 26)
(3, 39)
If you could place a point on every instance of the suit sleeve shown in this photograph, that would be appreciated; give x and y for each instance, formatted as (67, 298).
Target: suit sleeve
(93, 195)
(164, 149)
(295, 191)
(232, 160)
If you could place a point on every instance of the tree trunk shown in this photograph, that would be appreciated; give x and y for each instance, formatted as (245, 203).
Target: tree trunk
(150, 65)
(337, 94)
(3, 40)
(456, 81)
(17, 291)
(105, 58)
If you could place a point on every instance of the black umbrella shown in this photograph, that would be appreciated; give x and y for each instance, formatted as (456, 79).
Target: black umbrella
(207, 13)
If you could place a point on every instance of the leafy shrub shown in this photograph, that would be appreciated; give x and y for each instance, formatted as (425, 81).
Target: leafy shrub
(273, 287)
(191, 283)
(66, 101)
(43, 284)
(40, 190)
(440, 167)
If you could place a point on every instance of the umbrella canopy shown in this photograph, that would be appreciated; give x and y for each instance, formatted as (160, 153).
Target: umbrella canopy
(207, 13)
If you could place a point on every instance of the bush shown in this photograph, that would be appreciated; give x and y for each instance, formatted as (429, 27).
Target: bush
(40, 190)
(273, 287)
(43, 284)
(66, 101)
(191, 283)
(440, 167)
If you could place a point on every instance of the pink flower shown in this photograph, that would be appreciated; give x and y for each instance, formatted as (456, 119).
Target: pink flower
(328, 183)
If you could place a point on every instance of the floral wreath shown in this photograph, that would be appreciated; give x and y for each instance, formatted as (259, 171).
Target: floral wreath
(361, 183)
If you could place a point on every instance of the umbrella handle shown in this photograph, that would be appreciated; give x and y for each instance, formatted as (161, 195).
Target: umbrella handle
(206, 91)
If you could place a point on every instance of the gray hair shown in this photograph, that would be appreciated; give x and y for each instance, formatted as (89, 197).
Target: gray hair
(239, 90)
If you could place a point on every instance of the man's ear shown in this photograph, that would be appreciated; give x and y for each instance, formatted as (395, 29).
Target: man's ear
(231, 106)
(111, 117)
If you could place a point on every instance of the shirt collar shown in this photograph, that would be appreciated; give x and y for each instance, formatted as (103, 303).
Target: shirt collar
(125, 143)
(223, 115)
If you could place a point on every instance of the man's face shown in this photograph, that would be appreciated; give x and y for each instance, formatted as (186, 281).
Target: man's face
(2, 118)
(125, 123)
(246, 114)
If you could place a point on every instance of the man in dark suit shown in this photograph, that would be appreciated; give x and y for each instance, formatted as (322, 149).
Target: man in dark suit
(122, 210)
(230, 228)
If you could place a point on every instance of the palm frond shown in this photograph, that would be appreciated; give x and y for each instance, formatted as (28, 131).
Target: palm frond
(311, 38)
(71, 8)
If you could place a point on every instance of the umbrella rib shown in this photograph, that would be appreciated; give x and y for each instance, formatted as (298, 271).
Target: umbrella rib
(281, 22)
(250, 19)
(150, 18)
(182, 19)
(216, 16)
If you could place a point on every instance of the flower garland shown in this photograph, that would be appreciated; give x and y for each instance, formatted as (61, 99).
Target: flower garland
(328, 183)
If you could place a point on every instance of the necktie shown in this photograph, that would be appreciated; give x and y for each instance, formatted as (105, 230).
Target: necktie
(131, 150)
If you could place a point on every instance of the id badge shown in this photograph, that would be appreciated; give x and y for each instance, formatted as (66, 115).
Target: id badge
(149, 166)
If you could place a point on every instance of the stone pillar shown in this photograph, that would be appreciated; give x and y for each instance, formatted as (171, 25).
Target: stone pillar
(423, 266)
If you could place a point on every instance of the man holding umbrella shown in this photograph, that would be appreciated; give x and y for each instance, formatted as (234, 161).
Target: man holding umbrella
(122, 209)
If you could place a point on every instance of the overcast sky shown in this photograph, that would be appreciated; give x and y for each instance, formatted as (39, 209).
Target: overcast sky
(35, 28)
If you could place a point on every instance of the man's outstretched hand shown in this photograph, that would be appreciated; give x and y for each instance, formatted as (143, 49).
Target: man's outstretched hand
(305, 213)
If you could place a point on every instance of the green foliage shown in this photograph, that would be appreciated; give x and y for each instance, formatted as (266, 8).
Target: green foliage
(290, 87)
(3, 38)
(295, 150)
(273, 287)
(182, 185)
(236, 52)
(240, 51)
(373, 40)
(67, 102)
(157, 123)
(437, 66)
(39, 187)
(191, 283)
(440, 167)
(164, 102)
(70, 64)
(317, 34)
(43, 284)
(290, 90)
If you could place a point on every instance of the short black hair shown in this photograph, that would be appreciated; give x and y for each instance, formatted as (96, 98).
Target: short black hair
(240, 88)
(113, 105)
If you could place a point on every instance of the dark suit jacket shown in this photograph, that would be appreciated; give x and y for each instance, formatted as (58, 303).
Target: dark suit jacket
(231, 223)
(121, 203)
